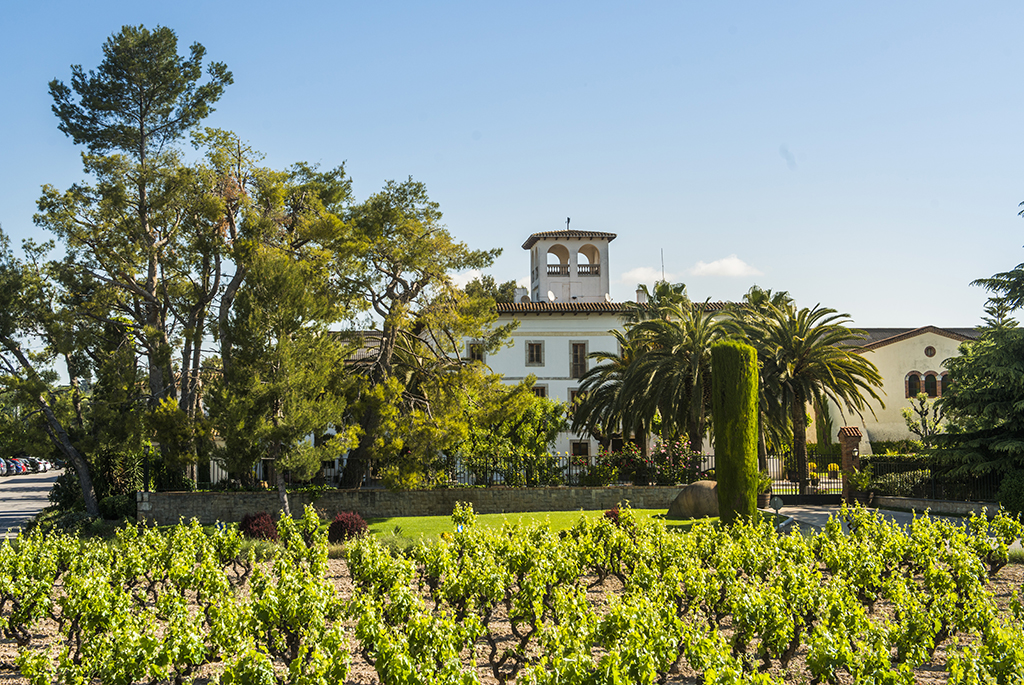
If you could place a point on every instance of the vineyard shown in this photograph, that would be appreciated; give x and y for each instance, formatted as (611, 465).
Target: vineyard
(603, 602)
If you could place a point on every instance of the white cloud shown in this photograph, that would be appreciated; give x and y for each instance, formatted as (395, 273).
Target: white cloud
(646, 275)
(460, 280)
(523, 282)
(731, 266)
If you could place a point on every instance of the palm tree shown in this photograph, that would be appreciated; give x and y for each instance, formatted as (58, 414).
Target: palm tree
(657, 303)
(672, 375)
(807, 356)
(773, 421)
(598, 410)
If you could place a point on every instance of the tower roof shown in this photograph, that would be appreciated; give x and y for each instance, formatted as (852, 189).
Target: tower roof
(586, 307)
(532, 240)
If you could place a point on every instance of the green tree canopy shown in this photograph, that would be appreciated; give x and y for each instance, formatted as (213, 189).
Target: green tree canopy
(28, 311)
(808, 356)
(486, 286)
(141, 237)
(672, 376)
(143, 97)
(984, 402)
(657, 301)
(401, 258)
(600, 409)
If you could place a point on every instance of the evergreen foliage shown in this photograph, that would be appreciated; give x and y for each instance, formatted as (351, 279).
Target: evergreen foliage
(118, 507)
(672, 379)
(735, 406)
(984, 404)
(809, 356)
(160, 254)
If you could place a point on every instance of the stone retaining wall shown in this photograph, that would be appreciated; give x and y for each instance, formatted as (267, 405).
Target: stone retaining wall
(167, 508)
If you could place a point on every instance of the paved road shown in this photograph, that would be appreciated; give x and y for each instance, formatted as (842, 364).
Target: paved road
(22, 497)
(815, 517)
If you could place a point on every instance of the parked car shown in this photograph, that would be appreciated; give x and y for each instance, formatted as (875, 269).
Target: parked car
(5, 468)
(17, 466)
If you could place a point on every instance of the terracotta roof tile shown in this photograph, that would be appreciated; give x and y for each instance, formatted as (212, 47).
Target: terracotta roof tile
(583, 307)
(850, 432)
(532, 240)
(880, 337)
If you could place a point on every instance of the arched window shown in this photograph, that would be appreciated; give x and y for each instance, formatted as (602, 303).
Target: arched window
(931, 385)
(558, 260)
(944, 383)
(588, 261)
(913, 384)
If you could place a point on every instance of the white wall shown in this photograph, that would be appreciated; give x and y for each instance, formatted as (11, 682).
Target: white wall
(894, 362)
(557, 332)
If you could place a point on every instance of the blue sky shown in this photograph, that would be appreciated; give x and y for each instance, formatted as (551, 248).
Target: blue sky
(867, 156)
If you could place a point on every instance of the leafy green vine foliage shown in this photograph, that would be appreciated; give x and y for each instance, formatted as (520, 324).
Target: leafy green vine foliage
(158, 606)
(736, 605)
(735, 408)
(863, 601)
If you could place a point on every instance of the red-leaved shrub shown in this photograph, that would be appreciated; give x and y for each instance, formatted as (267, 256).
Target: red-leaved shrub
(258, 526)
(345, 525)
(613, 515)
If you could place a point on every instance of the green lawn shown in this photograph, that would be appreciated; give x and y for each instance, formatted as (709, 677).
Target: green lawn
(429, 527)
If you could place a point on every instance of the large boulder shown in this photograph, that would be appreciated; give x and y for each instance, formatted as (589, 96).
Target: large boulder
(696, 500)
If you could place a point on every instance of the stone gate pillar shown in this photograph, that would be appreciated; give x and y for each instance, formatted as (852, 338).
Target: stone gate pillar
(849, 442)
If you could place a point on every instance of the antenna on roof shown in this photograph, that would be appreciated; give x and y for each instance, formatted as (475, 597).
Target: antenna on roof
(567, 223)
(551, 296)
(607, 297)
(663, 264)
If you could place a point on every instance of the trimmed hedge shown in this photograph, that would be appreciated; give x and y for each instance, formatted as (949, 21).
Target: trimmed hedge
(735, 406)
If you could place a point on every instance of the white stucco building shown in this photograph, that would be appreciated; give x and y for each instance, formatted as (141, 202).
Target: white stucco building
(566, 314)
(910, 361)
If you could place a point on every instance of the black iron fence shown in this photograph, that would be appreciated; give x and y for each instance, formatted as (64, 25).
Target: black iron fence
(824, 472)
(663, 465)
(672, 464)
(927, 477)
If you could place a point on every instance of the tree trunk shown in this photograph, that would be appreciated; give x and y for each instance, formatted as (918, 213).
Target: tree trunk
(282, 492)
(59, 436)
(63, 442)
(224, 316)
(358, 463)
(644, 476)
(696, 440)
(762, 445)
(799, 416)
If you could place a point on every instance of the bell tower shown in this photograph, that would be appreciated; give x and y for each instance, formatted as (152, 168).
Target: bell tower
(569, 266)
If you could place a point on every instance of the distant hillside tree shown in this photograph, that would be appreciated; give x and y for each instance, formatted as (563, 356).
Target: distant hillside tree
(486, 286)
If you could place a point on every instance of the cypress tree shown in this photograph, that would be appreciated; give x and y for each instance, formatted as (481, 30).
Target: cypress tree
(734, 408)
